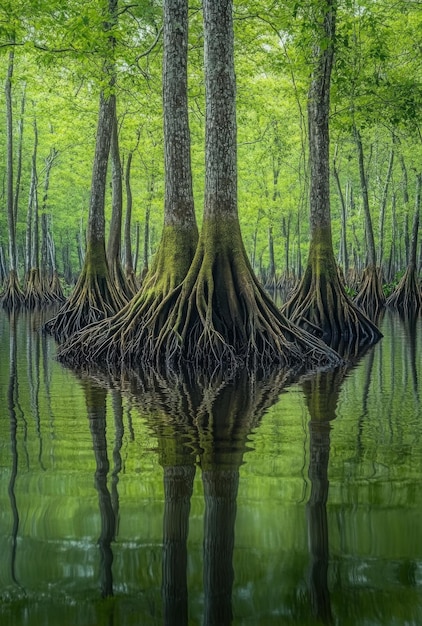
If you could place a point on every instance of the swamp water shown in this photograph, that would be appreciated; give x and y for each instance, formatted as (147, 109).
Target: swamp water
(137, 502)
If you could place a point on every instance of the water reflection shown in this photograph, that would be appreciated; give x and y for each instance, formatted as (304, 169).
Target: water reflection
(321, 393)
(11, 405)
(208, 421)
(96, 407)
(205, 423)
(137, 500)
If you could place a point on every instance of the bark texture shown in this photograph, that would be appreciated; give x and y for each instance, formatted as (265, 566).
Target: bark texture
(320, 303)
(131, 335)
(407, 296)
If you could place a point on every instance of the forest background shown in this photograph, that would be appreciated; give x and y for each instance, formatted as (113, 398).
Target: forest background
(57, 51)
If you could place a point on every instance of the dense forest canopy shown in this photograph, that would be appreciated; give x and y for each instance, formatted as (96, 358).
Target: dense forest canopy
(58, 51)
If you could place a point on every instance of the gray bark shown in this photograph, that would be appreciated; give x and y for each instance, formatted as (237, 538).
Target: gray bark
(318, 121)
(115, 234)
(178, 203)
(369, 232)
(9, 163)
(220, 102)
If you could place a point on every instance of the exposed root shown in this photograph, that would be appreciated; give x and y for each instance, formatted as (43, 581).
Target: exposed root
(321, 306)
(56, 291)
(94, 298)
(34, 294)
(407, 296)
(122, 284)
(219, 316)
(370, 297)
(12, 296)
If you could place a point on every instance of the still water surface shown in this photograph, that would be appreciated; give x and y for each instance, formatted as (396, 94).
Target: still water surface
(148, 502)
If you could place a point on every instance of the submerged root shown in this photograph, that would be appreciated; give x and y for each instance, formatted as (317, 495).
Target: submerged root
(407, 296)
(321, 306)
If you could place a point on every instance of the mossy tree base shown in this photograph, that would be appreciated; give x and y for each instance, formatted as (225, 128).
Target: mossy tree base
(12, 296)
(407, 296)
(370, 297)
(219, 315)
(321, 306)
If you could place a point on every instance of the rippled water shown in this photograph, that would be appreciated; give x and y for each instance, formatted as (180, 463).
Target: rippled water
(143, 501)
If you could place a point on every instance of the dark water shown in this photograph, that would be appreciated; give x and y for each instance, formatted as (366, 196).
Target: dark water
(143, 501)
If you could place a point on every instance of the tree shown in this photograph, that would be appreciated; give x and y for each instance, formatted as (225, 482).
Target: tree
(133, 330)
(115, 234)
(407, 295)
(219, 314)
(95, 295)
(320, 303)
(12, 296)
(370, 296)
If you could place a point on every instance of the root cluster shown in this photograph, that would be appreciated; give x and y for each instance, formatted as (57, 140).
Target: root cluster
(321, 306)
(218, 316)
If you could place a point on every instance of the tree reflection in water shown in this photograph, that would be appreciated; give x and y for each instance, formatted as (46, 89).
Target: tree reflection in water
(197, 421)
(322, 391)
(12, 396)
(95, 397)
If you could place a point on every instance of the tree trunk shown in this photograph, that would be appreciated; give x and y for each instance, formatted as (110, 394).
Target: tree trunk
(115, 235)
(320, 303)
(370, 297)
(12, 296)
(383, 208)
(19, 159)
(33, 290)
(95, 295)
(407, 296)
(133, 332)
(344, 260)
(406, 207)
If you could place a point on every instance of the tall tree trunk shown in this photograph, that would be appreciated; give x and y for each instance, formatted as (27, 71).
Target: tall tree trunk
(344, 260)
(407, 296)
(19, 159)
(406, 207)
(383, 207)
(46, 267)
(12, 296)
(33, 282)
(9, 163)
(115, 234)
(320, 304)
(369, 231)
(95, 295)
(370, 297)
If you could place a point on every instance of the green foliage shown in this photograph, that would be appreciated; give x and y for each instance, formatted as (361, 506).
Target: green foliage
(60, 50)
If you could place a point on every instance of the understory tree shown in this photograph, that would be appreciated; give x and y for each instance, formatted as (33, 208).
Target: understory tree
(320, 303)
(407, 296)
(95, 295)
(219, 314)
